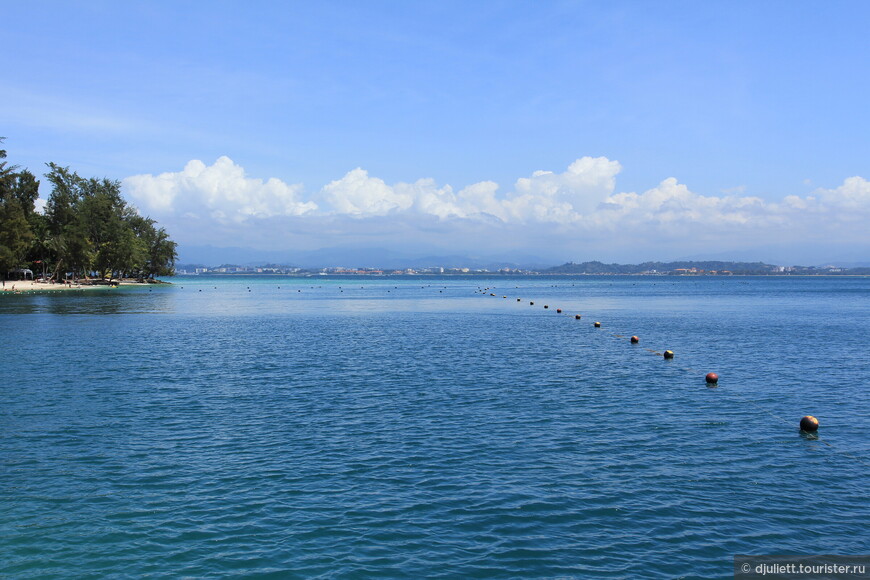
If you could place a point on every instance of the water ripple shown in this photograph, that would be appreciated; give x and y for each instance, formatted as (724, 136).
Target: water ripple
(214, 434)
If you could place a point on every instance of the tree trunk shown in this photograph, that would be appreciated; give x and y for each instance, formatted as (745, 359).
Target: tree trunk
(57, 270)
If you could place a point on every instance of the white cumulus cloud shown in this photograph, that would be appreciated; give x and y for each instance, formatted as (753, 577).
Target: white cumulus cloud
(577, 208)
(579, 189)
(221, 191)
(854, 194)
(544, 197)
(672, 204)
(358, 194)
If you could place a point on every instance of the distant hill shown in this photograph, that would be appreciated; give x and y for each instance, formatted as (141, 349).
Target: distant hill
(701, 267)
(381, 259)
(648, 267)
(353, 257)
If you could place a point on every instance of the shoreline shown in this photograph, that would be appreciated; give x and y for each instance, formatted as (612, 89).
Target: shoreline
(27, 286)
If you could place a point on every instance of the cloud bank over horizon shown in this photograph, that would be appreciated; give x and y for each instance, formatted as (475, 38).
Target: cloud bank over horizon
(575, 214)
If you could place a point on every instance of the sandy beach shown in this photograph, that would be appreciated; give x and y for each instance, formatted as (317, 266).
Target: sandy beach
(15, 286)
(33, 286)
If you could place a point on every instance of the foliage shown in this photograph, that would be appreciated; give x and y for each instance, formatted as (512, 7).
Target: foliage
(18, 192)
(87, 228)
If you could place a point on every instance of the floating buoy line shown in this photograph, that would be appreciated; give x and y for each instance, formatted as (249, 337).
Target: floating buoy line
(808, 425)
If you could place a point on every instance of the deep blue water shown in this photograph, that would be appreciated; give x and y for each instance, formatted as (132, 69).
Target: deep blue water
(410, 428)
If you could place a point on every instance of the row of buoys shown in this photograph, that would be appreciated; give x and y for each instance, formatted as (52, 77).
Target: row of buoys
(808, 423)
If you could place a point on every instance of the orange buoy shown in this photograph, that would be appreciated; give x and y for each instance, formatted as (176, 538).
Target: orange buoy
(596, 324)
(809, 424)
(576, 317)
(634, 340)
(558, 311)
(669, 354)
(712, 378)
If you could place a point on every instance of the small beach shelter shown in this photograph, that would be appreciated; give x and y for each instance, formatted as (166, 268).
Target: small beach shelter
(20, 274)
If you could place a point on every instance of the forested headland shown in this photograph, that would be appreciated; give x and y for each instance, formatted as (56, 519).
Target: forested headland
(86, 230)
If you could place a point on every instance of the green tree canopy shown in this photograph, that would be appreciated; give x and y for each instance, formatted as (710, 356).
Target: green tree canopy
(87, 227)
(18, 193)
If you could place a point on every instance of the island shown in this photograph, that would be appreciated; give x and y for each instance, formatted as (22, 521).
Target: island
(86, 235)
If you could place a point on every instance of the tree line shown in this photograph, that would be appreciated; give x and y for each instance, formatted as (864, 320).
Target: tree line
(86, 228)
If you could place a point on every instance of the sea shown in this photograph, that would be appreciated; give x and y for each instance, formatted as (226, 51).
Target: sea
(432, 427)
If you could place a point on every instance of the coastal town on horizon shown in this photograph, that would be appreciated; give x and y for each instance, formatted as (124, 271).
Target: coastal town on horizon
(570, 268)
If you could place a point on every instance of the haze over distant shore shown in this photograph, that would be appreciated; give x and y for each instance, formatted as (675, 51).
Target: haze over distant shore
(684, 268)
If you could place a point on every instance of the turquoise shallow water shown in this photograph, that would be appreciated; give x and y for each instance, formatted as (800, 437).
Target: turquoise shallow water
(276, 427)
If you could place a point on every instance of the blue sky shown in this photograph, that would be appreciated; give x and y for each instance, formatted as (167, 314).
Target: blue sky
(708, 128)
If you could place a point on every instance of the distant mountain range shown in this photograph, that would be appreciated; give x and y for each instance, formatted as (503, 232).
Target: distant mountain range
(352, 257)
(652, 267)
(699, 267)
(387, 259)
